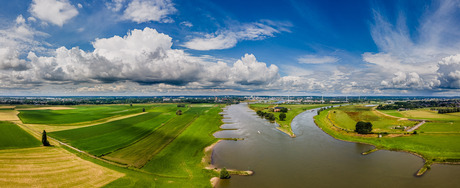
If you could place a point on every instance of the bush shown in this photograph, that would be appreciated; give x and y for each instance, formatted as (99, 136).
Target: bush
(181, 105)
(224, 174)
(363, 127)
(179, 112)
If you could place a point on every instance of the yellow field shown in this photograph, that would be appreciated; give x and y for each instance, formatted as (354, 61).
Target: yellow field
(51, 167)
(424, 113)
(9, 115)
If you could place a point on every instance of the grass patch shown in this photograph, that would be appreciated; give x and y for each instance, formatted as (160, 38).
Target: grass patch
(12, 136)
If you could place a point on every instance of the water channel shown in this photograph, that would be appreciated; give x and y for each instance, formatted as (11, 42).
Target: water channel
(313, 159)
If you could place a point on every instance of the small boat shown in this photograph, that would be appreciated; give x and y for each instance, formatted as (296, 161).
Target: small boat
(258, 132)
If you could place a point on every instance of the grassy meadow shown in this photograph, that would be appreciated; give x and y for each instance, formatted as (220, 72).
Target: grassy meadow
(434, 147)
(76, 115)
(293, 111)
(12, 136)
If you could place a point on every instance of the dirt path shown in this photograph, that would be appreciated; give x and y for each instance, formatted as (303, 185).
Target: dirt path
(415, 127)
(383, 114)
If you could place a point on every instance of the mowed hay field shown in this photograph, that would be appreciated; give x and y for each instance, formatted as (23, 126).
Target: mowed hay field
(347, 116)
(83, 114)
(51, 167)
(12, 136)
(434, 147)
(437, 123)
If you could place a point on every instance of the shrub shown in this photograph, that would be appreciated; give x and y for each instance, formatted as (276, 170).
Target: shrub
(45, 139)
(224, 174)
(282, 116)
(179, 112)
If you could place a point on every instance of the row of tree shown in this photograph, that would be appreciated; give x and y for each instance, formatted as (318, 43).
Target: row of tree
(266, 115)
(447, 110)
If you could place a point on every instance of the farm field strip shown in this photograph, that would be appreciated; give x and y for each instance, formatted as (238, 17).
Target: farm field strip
(105, 138)
(139, 153)
(12, 136)
(54, 128)
(81, 115)
(50, 166)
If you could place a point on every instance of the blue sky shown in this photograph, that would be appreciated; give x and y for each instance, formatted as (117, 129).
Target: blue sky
(181, 47)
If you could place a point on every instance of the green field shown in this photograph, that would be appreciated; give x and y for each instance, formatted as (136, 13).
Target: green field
(433, 147)
(437, 123)
(105, 138)
(168, 147)
(81, 114)
(12, 136)
(347, 116)
(294, 110)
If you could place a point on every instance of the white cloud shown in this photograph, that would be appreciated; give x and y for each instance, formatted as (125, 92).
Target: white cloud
(314, 59)
(449, 72)
(149, 10)
(57, 12)
(115, 5)
(187, 24)
(248, 71)
(228, 38)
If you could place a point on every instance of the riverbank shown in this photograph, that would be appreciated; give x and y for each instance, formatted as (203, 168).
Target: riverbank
(293, 110)
(431, 148)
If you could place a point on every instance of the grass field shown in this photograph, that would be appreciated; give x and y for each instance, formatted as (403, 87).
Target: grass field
(139, 153)
(80, 115)
(50, 167)
(108, 137)
(433, 147)
(438, 123)
(347, 117)
(294, 110)
(169, 147)
(12, 136)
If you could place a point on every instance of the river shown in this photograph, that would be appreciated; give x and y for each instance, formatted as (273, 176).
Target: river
(313, 158)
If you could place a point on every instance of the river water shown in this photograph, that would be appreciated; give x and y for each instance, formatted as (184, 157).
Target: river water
(313, 158)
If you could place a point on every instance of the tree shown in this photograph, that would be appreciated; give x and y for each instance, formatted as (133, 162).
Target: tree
(285, 110)
(363, 127)
(45, 139)
(224, 174)
(282, 116)
(181, 105)
(179, 112)
(143, 109)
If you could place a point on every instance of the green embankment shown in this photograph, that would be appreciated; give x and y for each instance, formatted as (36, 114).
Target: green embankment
(294, 110)
(81, 114)
(433, 147)
(139, 153)
(12, 136)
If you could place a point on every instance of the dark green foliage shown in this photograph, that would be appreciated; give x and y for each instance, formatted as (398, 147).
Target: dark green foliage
(179, 112)
(224, 174)
(45, 139)
(181, 105)
(447, 110)
(284, 110)
(363, 127)
(415, 132)
(266, 115)
(143, 109)
(282, 116)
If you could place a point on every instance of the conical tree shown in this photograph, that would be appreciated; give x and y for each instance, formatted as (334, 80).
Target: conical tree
(45, 139)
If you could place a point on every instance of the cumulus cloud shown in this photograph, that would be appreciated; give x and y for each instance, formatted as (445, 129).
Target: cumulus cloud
(148, 10)
(228, 38)
(57, 12)
(144, 57)
(314, 59)
(449, 72)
